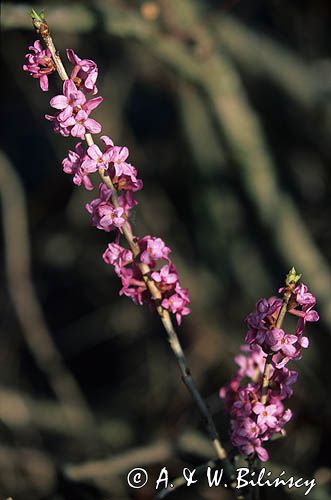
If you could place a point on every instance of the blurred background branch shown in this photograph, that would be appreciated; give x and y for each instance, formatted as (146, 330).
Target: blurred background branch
(24, 298)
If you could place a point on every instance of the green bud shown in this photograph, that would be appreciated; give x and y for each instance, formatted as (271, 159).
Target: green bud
(38, 17)
(292, 276)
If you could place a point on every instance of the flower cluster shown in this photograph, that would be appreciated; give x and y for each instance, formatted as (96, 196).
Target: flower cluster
(111, 209)
(73, 117)
(154, 253)
(39, 64)
(254, 420)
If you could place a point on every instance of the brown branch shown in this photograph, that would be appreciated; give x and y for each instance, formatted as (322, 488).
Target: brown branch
(25, 300)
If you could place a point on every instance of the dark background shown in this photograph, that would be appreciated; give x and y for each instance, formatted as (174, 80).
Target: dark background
(225, 107)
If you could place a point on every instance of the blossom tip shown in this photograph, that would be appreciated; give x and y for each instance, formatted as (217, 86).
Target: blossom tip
(37, 16)
(292, 276)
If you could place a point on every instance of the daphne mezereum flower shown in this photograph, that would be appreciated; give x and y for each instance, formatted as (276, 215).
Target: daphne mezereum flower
(253, 423)
(96, 159)
(109, 211)
(73, 164)
(152, 249)
(177, 303)
(84, 72)
(39, 64)
(103, 213)
(73, 117)
(71, 98)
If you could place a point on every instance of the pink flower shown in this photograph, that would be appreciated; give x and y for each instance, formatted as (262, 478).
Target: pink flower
(266, 414)
(117, 256)
(107, 212)
(58, 126)
(73, 165)
(96, 158)
(80, 123)
(252, 422)
(177, 303)
(259, 321)
(153, 249)
(242, 407)
(119, 157)
(303, 297)
(84, 73)
(255, 447)
(133, 285)
(281, 341)
(127, 201)
(104, 215)
(166, 278)
(125, 177)
(267, 307)
(284, 379)
(249, 429)
(39, 64)
(73, 117)
(251, 363)
(67, 102)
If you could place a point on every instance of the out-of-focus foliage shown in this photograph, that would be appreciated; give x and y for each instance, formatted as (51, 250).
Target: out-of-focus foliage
(225, 107)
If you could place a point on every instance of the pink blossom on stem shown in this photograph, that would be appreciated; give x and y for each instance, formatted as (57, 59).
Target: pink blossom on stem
(245, 399)
(253, 422)
(110, 210)
(266, 414)
(67, 102)
(284, 379)
(58, 126)
(118, 158)
(73, 117)
(72, 164)
(80, 124)
(153, 249)
(96, 158)
(104, 215)
(84, 73)
(125, 178)
(39, 64)
(177, 303)
(127, 201)
(134, 286)
(166, 277)
(249, 429)
(118, 256)
(283, 342)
